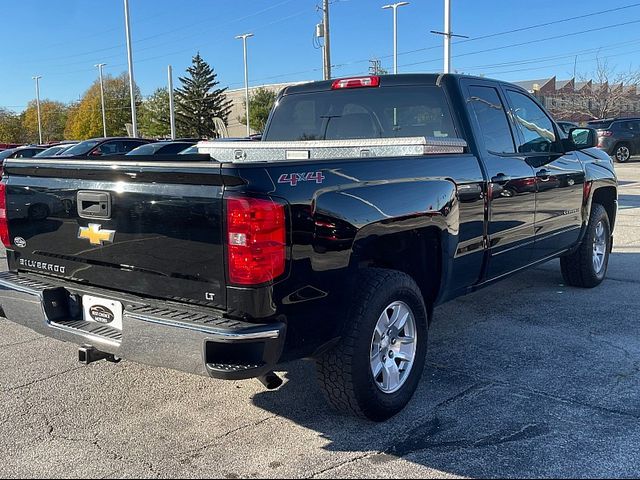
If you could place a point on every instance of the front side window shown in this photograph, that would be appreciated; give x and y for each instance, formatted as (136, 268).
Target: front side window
(492, 119)
(387, 112)
(27, 153)
(536, 128)
(108, 148)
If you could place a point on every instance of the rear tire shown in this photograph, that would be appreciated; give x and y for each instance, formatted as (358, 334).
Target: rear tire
(622, 153)
(587, 266)
(375, 369)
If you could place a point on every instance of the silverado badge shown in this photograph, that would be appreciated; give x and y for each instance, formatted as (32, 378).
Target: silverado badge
(96, 235)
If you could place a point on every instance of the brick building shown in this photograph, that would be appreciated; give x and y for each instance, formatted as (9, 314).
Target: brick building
(579, 101)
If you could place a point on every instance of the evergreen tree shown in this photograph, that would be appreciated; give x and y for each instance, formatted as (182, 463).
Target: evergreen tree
(154, 115)
(260, 104)
(198, 101)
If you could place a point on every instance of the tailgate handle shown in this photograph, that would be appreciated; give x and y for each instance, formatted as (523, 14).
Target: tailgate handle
(93, 205)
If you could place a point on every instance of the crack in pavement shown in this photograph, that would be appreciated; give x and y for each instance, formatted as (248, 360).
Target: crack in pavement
(33, 382)
(19, 343)
(549, 396)
(392, 449)
(198, 452)
(346, 462)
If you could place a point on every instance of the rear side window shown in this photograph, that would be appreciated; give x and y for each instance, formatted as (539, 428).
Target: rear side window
(172, 148)
(492, 119)
(362, 113)
(629, 125)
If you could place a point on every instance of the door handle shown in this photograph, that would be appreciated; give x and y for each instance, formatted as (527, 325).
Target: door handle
(501, 179)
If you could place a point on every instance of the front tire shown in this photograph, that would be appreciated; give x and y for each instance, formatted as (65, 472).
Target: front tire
(375, 369)
(587, 266)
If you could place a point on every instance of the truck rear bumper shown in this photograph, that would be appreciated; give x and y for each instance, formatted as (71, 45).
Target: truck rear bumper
(192, 341)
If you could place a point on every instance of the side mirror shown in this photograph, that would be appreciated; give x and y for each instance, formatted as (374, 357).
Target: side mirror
(581, 138)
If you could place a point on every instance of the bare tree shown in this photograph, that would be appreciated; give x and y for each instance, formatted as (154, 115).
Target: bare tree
(606, 92)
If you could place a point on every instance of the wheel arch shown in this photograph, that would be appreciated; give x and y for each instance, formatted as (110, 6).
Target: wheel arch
(607, 196)
(420, 253)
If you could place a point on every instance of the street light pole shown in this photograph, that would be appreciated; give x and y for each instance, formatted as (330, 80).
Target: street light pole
(134, 120)
(37, 79)
(447, 36)
(395, 7)
(172, 112)
(246, 77)
(104, 115)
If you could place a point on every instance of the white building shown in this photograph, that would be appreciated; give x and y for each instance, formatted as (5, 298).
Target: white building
(237, 129)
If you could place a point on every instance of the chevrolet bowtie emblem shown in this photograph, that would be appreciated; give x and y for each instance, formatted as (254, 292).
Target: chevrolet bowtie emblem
(96, 235)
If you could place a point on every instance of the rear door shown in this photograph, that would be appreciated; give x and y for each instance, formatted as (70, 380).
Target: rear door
(634, 126)
(559, 176)
(511, 190)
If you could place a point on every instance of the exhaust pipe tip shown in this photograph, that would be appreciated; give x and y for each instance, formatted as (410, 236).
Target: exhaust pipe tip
(271, 381)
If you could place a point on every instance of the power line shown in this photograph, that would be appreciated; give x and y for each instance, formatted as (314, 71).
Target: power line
(556, 37)
(554, 57)
(506, 32)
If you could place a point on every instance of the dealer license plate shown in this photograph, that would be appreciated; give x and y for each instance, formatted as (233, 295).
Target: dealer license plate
(101, 310)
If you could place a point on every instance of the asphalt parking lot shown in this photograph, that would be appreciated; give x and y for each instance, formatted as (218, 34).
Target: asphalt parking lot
(525, 378)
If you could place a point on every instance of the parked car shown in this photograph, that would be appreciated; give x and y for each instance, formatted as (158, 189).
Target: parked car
(162, 148)
(8, 146)
(55, 150)
(368, 202)
(619, 137)
(104, 147)
(21, 152)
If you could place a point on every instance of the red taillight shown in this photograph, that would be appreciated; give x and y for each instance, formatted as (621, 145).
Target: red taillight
(359, 82)
(256, 240)
(605, 133)
(4, 225)
(586, 191)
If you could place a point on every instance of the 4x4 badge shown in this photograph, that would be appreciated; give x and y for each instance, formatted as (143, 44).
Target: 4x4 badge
(96, 235)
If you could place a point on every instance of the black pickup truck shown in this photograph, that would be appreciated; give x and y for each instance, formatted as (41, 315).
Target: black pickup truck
(369, 201)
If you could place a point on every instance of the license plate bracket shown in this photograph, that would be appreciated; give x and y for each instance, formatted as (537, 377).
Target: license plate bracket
(102, 310)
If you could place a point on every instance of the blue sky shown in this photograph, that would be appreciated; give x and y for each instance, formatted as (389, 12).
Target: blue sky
(62, 40)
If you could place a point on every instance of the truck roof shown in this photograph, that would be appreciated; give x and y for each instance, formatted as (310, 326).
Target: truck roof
(403, 79)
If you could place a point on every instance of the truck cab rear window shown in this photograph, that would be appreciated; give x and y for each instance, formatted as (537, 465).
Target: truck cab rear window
(362, 113)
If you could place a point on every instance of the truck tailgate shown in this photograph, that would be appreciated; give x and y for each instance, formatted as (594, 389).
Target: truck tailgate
(154, 230)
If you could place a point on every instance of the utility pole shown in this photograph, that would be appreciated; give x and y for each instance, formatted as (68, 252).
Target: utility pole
(104, 115)
(394, 7)
(134, 120)
(172, 111)
(244, 37)
(375, 66)
(37, 79)
(447, 34)
(327, 40)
